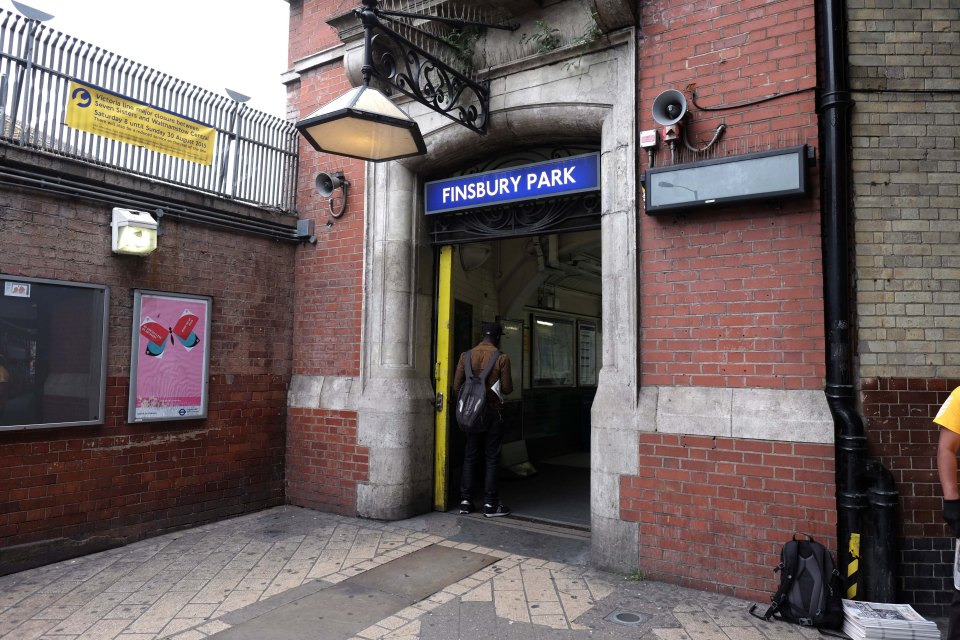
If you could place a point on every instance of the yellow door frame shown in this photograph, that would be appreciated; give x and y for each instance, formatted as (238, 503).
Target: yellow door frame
(441, 462)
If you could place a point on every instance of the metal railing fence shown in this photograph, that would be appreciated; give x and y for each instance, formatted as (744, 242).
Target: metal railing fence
(254, 156)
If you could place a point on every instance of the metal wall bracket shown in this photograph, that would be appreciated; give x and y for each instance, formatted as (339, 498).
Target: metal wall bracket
(407, 68)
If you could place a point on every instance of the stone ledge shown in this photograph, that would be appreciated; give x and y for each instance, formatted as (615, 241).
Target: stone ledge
(757, 414)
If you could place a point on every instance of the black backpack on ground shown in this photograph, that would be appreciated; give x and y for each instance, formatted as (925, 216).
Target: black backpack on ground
(472, 400)
(809, 593)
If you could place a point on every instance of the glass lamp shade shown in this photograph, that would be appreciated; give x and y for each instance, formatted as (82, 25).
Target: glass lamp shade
(364, 124)
(133, 232)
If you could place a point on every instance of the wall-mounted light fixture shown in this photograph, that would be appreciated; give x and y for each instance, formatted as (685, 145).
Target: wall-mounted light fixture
(363, 123)
(133, 232)
(327, 184)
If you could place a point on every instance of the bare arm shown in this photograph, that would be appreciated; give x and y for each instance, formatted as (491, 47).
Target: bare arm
(947, 448)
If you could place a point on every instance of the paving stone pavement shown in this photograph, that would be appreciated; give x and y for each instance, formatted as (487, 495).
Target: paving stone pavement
(185, 585)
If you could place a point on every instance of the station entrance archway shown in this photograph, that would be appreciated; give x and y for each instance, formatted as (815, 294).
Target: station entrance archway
(542, 282)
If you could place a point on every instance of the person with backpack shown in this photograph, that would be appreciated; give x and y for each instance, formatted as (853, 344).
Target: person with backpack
(484, 439)
(947, 447)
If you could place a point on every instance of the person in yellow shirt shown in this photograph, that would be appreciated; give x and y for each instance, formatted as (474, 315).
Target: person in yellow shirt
(948, 446)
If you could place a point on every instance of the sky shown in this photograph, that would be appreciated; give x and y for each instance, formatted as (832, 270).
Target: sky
(236, 44)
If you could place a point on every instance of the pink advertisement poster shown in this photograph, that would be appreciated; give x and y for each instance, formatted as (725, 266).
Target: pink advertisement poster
(170, 357)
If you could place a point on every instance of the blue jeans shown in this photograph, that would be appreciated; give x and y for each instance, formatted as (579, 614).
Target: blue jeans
(487, 444)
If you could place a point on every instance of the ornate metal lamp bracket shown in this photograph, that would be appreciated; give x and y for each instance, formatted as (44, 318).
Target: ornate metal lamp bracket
(414, 72)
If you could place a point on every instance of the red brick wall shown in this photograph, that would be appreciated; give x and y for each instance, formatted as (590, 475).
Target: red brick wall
(324, 462)
(329, 275)
(129, 481)
(309, 32)
(733, 297)
(730, 298)
(70, 490)
(329, 288)
(714, 512)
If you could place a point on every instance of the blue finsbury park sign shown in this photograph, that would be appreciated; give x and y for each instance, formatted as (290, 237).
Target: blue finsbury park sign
(529, 182)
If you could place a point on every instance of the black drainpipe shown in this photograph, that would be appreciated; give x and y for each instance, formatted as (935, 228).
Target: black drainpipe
(853, 469)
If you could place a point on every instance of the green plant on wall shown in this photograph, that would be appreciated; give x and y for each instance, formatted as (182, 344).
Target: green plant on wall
(463, 43)
(591, 33)
(544, 39)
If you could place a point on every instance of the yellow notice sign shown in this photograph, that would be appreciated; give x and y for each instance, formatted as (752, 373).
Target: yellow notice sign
(111, 116)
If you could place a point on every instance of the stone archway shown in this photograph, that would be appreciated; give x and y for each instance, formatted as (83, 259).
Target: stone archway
(590, 97)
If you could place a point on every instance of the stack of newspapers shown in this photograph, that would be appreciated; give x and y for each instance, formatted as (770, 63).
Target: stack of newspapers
(880, 621)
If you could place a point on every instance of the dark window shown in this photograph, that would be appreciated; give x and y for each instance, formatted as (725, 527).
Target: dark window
(52, 353)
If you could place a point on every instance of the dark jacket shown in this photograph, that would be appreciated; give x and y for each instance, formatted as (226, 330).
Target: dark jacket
(501, 371)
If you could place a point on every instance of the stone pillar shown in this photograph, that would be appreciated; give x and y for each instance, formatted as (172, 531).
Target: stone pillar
(614, 438)
(395, 414)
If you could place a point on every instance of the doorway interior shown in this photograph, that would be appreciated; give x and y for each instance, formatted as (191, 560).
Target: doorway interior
(546, 292)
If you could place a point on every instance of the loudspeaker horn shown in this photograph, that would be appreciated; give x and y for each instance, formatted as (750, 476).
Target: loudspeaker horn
(669, 108)
(327, 183)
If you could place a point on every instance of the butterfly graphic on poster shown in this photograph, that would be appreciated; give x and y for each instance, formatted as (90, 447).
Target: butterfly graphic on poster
(156, 334)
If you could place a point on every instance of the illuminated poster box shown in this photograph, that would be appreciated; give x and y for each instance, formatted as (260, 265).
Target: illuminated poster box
(170, 363)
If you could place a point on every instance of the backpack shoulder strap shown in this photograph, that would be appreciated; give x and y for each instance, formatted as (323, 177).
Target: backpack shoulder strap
(467, 364)
(791, 551)
(825, 560)
(788, 569)
(487, 369)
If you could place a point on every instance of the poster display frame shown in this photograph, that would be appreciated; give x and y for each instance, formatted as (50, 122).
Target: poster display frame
(587, 352)
(151, 340)
(554, 357)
